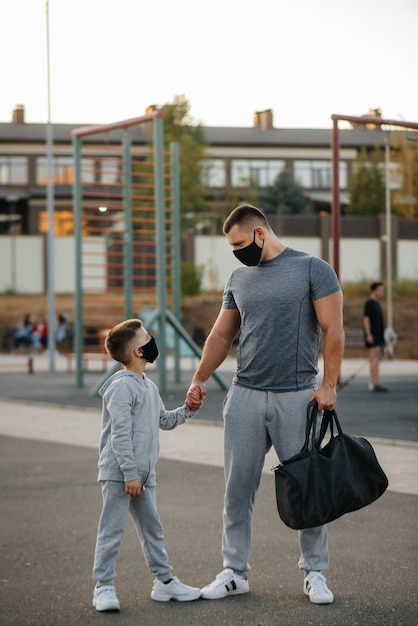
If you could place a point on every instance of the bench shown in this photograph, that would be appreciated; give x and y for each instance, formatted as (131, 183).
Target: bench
(354, 338)
(102, 357)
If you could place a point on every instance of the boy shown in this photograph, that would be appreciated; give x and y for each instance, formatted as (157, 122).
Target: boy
(129, 445)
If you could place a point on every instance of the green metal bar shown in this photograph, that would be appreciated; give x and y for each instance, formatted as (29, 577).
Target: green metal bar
(176, 241)
(127, 244)
(193, 345)
(77, 208)
(160, 245)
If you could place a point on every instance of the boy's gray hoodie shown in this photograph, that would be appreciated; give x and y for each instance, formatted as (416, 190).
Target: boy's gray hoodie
(131, 416)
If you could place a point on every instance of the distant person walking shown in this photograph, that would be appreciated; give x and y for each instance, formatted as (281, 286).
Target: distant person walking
(374, 330)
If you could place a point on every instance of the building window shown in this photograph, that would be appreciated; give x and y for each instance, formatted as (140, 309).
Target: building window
(214, 173)
(255, 172)
(63, 223)
(13, 170)
(318, 174)
(111, 171)
(63, 171)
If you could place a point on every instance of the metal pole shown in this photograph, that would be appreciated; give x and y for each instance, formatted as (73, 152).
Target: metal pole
(160, 246)
(77, 205)
(388, 235)
(127, 196)
(176, 240)
(335, 207)
(50, 207)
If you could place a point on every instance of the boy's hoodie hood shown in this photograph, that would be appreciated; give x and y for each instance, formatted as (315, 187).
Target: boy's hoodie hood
(117, 376)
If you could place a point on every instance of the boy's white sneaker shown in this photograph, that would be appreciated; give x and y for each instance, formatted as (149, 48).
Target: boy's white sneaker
(174, 590)
(104, 598)
(315, 586)
(227, 583)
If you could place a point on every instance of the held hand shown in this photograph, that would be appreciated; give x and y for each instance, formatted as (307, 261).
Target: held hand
(195, 396)
(193, 400)
(133, 488)
(326, 397)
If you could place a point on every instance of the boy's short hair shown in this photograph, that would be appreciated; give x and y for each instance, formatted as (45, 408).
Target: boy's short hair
(245, 215)
(120, 340)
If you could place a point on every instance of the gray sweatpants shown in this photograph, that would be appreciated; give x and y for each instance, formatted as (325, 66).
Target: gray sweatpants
(254, 420)
(112, 526)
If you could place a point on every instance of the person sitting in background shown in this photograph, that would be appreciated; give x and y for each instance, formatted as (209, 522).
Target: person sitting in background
(63, 336)
(39, 334)
(22, 336)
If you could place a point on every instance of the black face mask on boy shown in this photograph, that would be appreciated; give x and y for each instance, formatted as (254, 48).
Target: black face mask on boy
(251, 254)
(150, 350)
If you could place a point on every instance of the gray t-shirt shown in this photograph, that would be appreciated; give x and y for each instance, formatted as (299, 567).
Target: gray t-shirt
(279, 335)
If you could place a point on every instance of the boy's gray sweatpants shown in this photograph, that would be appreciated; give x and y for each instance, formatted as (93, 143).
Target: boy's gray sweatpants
(112, 526)
(254, 420)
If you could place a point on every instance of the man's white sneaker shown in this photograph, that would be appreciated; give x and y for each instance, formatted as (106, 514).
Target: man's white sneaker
(104, 598)
(227, 583)
(315, 586)
(174, 590)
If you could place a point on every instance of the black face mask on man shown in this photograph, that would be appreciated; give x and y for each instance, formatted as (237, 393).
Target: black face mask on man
(251, 254)
(150, 350)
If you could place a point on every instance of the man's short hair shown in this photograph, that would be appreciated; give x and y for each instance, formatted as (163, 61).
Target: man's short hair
(375, 285)
(120, 339)
(245, 215)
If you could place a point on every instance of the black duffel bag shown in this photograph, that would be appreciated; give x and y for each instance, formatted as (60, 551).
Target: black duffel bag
(320, 484)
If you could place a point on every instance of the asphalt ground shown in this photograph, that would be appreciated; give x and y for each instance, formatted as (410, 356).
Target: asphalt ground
(50, 505)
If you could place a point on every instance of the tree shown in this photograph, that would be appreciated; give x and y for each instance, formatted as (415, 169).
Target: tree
(405, 154)
(180, 127)
(286, 196)
(367, 185)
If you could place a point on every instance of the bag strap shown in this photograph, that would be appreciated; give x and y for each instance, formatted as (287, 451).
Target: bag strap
(329, 419)
(311, 415)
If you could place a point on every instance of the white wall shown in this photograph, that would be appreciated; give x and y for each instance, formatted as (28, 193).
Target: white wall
(22, 263)
(408, 259)
(359, 258)
(24, 258)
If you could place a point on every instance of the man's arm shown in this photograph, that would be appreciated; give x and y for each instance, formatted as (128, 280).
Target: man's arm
(216, 348)
(367, 327)
(329, 312)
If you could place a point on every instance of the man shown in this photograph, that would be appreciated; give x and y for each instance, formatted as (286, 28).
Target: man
(374, 330)
(277, 305)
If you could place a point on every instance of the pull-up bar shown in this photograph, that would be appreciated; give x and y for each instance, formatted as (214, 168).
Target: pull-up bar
(335, 146)
(105, 128)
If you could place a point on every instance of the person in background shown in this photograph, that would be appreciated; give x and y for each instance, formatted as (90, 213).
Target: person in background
(39, 334)
(278, 304)
(63, 335)
(374, 334)
(22, 336)
(132, 413)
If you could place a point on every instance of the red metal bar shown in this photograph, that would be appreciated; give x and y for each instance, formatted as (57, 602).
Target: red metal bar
(104, 128)
(368, 119)
(335, 207)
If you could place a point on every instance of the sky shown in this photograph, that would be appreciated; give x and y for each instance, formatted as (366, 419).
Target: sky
(305, 59)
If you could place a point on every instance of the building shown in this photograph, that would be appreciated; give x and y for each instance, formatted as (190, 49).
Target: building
(241, 162)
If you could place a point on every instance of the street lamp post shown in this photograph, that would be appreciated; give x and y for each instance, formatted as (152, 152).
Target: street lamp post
(50, 206)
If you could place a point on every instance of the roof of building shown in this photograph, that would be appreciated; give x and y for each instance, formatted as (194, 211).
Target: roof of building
(215, 135)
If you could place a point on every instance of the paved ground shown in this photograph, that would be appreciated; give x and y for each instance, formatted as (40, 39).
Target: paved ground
(51, 503)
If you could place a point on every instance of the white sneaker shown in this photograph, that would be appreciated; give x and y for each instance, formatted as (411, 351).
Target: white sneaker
(104, 598)
(174, 590)
(315, 586)
(227, 583)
